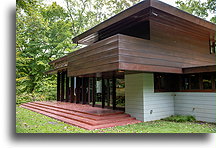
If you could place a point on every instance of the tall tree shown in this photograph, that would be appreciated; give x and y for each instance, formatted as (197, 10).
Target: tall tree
(44, 33)
(198, 8)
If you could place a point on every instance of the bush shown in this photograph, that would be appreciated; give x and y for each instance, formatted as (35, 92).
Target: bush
(179, 118)
(30, 97)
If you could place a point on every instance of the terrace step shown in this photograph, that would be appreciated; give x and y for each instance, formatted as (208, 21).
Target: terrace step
(83, 119)
(81, 114)
(77, 118)
(61, 106)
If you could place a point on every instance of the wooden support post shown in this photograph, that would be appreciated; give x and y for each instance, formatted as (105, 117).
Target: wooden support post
(84, 94)
(67, 87)
(78, 90)
(114, 92)
(108, 92)
(103, 93)
(58, 86)
(62, 86)
(93, 92)
(72, 90)
(89, 92)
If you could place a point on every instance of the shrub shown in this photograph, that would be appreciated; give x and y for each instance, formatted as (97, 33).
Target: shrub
(180, 118)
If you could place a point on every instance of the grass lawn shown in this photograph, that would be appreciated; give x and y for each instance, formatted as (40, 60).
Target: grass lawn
(31, 122)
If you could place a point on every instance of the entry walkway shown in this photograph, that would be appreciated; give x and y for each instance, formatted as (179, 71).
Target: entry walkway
(84, 116)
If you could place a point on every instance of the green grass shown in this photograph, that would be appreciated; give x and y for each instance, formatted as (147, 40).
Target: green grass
(31, 122)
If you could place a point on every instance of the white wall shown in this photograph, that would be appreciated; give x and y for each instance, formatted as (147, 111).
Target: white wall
(134, 95)
(141, 101)
(140, 98)
(161, 105)
(200, 105)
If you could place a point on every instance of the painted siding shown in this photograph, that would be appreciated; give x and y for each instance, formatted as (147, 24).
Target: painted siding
(200, 105)
(134, 95)
(160, 104)
(141, 101)
(140, 98)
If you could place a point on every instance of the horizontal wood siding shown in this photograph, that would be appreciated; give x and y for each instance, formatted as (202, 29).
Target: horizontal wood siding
(182, 44)
(162, 53)
(168, 50)
(99, 57)
(200, 105)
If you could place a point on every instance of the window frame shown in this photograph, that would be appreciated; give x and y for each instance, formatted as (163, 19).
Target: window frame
(180, 86)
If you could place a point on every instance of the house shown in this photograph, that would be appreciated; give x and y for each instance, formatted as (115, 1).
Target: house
(164, 56)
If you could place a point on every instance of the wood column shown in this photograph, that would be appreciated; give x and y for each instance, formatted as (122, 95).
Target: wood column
(103, 92)
(89, 92)
(114, 92)
(67, 87)
(72, 90)
(78, 83)
(58, 86)
(84, 89)
(108, 92)
(93, 92)
(62, 85)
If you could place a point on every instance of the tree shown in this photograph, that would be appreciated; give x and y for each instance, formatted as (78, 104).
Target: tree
(84, 14)
(198, 8)
(44, 33)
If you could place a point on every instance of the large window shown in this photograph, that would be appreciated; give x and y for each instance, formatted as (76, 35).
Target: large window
(166, 82)
(203, 82)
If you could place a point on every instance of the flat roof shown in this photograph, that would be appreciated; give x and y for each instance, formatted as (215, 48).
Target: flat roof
(91, 35)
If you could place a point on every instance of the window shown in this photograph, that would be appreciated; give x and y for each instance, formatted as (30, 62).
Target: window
(166, 82)
(212, 46)
(214, 81)
(207, 81)
(185, 83)
(189, 83)
(194, 81)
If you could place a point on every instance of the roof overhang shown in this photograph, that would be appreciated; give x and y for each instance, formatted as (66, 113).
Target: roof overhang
(201, 69)
(91, 35)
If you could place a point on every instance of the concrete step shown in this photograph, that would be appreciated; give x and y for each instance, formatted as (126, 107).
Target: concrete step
(63, 119)
(80, 119)
(62, 106)
(86, 117)
(79, 114)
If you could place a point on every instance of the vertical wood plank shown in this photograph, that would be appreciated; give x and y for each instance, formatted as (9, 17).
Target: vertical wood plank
(114, 92)
(78, 90)
(103, 93)
(67, 87)
(83, 91)
(89, 92)
(62, 85)
(58, 86)
(108, 92)
(93, 91)
(72, 90)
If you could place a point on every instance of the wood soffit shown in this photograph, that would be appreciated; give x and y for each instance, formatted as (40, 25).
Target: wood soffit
(159, 9)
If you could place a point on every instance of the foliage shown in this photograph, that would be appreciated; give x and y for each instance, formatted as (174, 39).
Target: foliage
(31, 122)
(180, 118)
(44, 33)
(198, 8)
